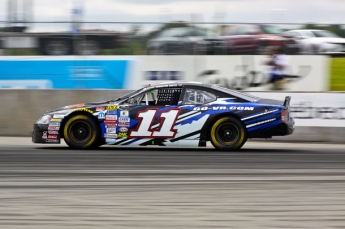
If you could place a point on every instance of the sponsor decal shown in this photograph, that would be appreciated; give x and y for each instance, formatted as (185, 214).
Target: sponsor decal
(53, 132)
(124, 119)
(112, 112)
(307, 110)
(53, 127)
(100, 108)
(101, 115)
(218, 108)
(262, 122)
(110, 135)
(83, 109)
(111, 117)
(110, 121)
(123, 123)
(56, 120)
(124, 113)
(52, 136)
(110, 140)
(44, 136)
(75, 105)
(111, 130)
(123, 129)
(165, 128)
(52, 140)
(111, 108)
(111, 126)
(54, 124)
(122, 135)
(58, 116)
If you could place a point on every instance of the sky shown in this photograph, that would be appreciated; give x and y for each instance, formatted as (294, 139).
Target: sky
(231, 11)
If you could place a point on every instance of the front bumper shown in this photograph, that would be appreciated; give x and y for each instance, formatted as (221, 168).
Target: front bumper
(41, 134)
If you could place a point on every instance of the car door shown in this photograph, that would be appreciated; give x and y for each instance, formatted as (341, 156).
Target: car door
(195, 102)
(149, 118)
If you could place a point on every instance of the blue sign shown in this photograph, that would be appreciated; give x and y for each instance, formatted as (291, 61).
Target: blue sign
(63, 74)
(164, 75)
(101, 115)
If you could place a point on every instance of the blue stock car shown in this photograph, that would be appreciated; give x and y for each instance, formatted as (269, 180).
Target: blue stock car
(169, 114)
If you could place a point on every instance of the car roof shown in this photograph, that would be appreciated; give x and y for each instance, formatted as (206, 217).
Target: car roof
(176, 84)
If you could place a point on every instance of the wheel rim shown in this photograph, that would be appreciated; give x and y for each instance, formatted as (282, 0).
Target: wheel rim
(227, 133)
(88, 48)
(57, 48)
(80, 131)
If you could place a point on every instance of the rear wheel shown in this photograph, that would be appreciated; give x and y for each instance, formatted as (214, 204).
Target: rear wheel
(56, 47)
(88, 47)
(228, 133)
(261, 49)
(81, 132)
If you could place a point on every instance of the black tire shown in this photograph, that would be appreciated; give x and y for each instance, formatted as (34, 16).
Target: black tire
(228, 133)
(261, 49)
(88, 47)
(57, 47)
(81, 132)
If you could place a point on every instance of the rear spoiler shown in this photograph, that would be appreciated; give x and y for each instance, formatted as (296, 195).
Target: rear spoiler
(287, 101)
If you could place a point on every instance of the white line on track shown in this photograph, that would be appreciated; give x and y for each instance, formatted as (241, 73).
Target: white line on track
(268, 144)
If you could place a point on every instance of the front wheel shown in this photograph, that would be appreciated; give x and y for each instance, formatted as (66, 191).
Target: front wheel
(81, 132)
(228, 133)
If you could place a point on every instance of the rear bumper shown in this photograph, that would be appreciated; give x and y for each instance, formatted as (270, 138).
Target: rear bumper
(40, 134)
(282, 129)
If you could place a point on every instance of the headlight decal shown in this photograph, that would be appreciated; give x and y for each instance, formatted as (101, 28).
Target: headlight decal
(45, 119)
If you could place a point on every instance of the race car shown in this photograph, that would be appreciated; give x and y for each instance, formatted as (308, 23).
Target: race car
(169, 114)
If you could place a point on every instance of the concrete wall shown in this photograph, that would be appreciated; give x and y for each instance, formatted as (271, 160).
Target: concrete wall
(20, 109)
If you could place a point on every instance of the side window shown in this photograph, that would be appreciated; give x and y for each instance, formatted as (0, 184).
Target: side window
(194, 96)
(230, 31)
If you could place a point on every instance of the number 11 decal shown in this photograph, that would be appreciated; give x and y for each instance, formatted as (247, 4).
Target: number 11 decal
(165, 128)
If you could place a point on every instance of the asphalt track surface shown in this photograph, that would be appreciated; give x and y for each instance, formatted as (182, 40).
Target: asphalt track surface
(265, 185)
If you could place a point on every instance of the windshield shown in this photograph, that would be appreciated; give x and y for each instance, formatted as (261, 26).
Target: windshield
(323, 33)
(241, 95)
(199, 33)
(272, 29)
(127, 95)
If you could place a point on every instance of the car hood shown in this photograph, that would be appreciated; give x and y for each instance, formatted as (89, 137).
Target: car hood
(330, 39)
(274, 37)
(67, 109)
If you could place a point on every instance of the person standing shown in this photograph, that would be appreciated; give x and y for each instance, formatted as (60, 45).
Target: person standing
(279, 63)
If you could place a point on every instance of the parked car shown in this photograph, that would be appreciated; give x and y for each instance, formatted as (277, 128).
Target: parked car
(255, 39)
(169, 114)
(317, 41)
(181, 41)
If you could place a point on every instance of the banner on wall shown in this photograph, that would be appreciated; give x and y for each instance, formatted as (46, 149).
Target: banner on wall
(304, 73)
(313, 109)
(64, 73)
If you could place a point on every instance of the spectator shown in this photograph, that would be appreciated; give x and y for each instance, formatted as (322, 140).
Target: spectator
(279, 63)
